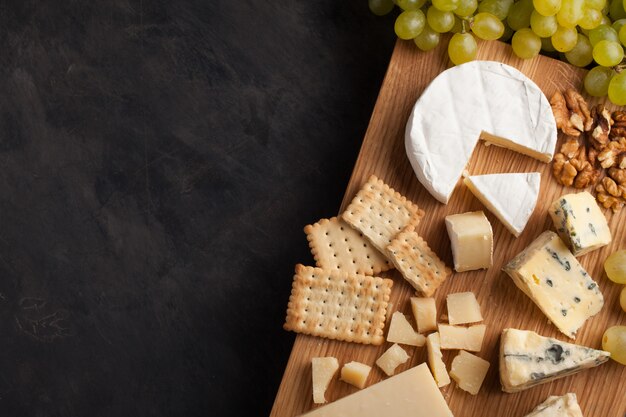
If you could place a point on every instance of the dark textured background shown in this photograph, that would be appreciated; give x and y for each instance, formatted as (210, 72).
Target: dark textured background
(158, 160)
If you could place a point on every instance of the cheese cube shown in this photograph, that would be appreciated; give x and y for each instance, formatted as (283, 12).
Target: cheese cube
(580, 222)
(391, 359)
(411, 393)
(469, 371)
(401, 331)
(472, 241)
(435, 360)
(323, 371)
(425, 313)
(355, 373)
(458, 337)
(550, 275)
(463, 308)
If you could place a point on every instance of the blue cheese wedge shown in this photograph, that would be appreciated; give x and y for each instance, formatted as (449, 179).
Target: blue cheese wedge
(563, 406)
(548, 273)
(528, 359)
(580, 222)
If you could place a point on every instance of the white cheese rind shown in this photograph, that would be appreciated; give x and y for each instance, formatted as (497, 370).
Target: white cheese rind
(412, 393)
(462, 102)
(563, 406)
(548, 273)
(580, 222)
(528, 359)
(510, 197)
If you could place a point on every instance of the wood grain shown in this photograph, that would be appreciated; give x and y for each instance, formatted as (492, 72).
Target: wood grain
(600, 391)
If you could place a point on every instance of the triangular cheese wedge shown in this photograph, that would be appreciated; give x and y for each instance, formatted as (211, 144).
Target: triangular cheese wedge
(528, 359)
(563, 406)
(511, 197)
(476, 100)
(401, 331)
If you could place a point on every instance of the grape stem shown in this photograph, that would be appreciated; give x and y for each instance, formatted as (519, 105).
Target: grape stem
(620, 67)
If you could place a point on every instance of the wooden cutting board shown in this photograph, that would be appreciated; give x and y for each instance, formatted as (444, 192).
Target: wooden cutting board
(602, 390)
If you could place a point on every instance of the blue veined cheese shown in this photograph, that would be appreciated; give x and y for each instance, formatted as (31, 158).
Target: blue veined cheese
(528, 359)
(580, 222)
(548, 273)
(563, 406)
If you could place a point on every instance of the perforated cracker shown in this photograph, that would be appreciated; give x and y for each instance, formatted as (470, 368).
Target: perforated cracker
(419, 265)
(380, 213)
(335, 245)
(338, 305)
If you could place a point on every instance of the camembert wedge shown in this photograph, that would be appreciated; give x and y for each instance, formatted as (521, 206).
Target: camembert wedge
(528, 359)
(548, 273)
(510, 197)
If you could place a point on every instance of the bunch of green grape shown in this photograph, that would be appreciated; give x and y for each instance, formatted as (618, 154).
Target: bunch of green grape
(585, 33)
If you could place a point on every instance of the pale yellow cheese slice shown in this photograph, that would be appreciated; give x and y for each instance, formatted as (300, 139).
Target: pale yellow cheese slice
(323, 370)
(401, 331)
(435, 360)
(391, 359)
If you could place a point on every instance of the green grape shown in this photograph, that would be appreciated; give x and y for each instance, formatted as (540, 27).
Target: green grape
(466, 8)
(622, 35)
(526, 44)
(606, 20)
(427, 40)
(410, 4)
(595, 4)
(601, 33)
(380, 7)
(564, 39)
(615, 266)
(519, 14)
(580, 55)
(546, 45)
(543, 26)
(547, 7)
(597, 81)
(446, 5)
(608, 53)
(486, 26)
(614, 341)
(570, 13)
(618, 24)
(508, 33)
(439, 21)
(622, 299)
(591, 18)
(617, 92)
(409, 24)
(616, 10)
(498, 8)
(462, 48)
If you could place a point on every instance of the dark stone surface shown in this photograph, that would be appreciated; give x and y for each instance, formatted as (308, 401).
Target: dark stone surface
(158, 162)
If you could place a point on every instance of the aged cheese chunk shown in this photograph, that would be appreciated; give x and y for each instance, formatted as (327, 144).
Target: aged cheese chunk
(563, 406)
(425, 313)
(323, 370)
(463, 308)
(412, 393)
(472, 240)
(435, 360)
(548, 273)
(483, 99)
(401, 331)
(580, 222)
(459, 337)
(355, 373)
(511, 197)
(469, 371)
(528, 359)
(391, 359)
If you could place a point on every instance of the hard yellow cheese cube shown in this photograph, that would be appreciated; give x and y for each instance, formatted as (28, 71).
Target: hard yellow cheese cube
(469, 371)
(463, 308)
(472, 240)
(425, 313)
(355, 373)
(435, 360)
(401, 331)
(391, 359)
(457, 337)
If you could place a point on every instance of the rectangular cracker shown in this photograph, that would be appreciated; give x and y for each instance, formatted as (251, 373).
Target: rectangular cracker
(335, 245)
(338, 305)
(419, 265)
(380, 213)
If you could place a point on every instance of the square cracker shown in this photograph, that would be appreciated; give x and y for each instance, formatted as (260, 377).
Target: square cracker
(338, 305)
(419, 265)
(380, 213)
(336, 245)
